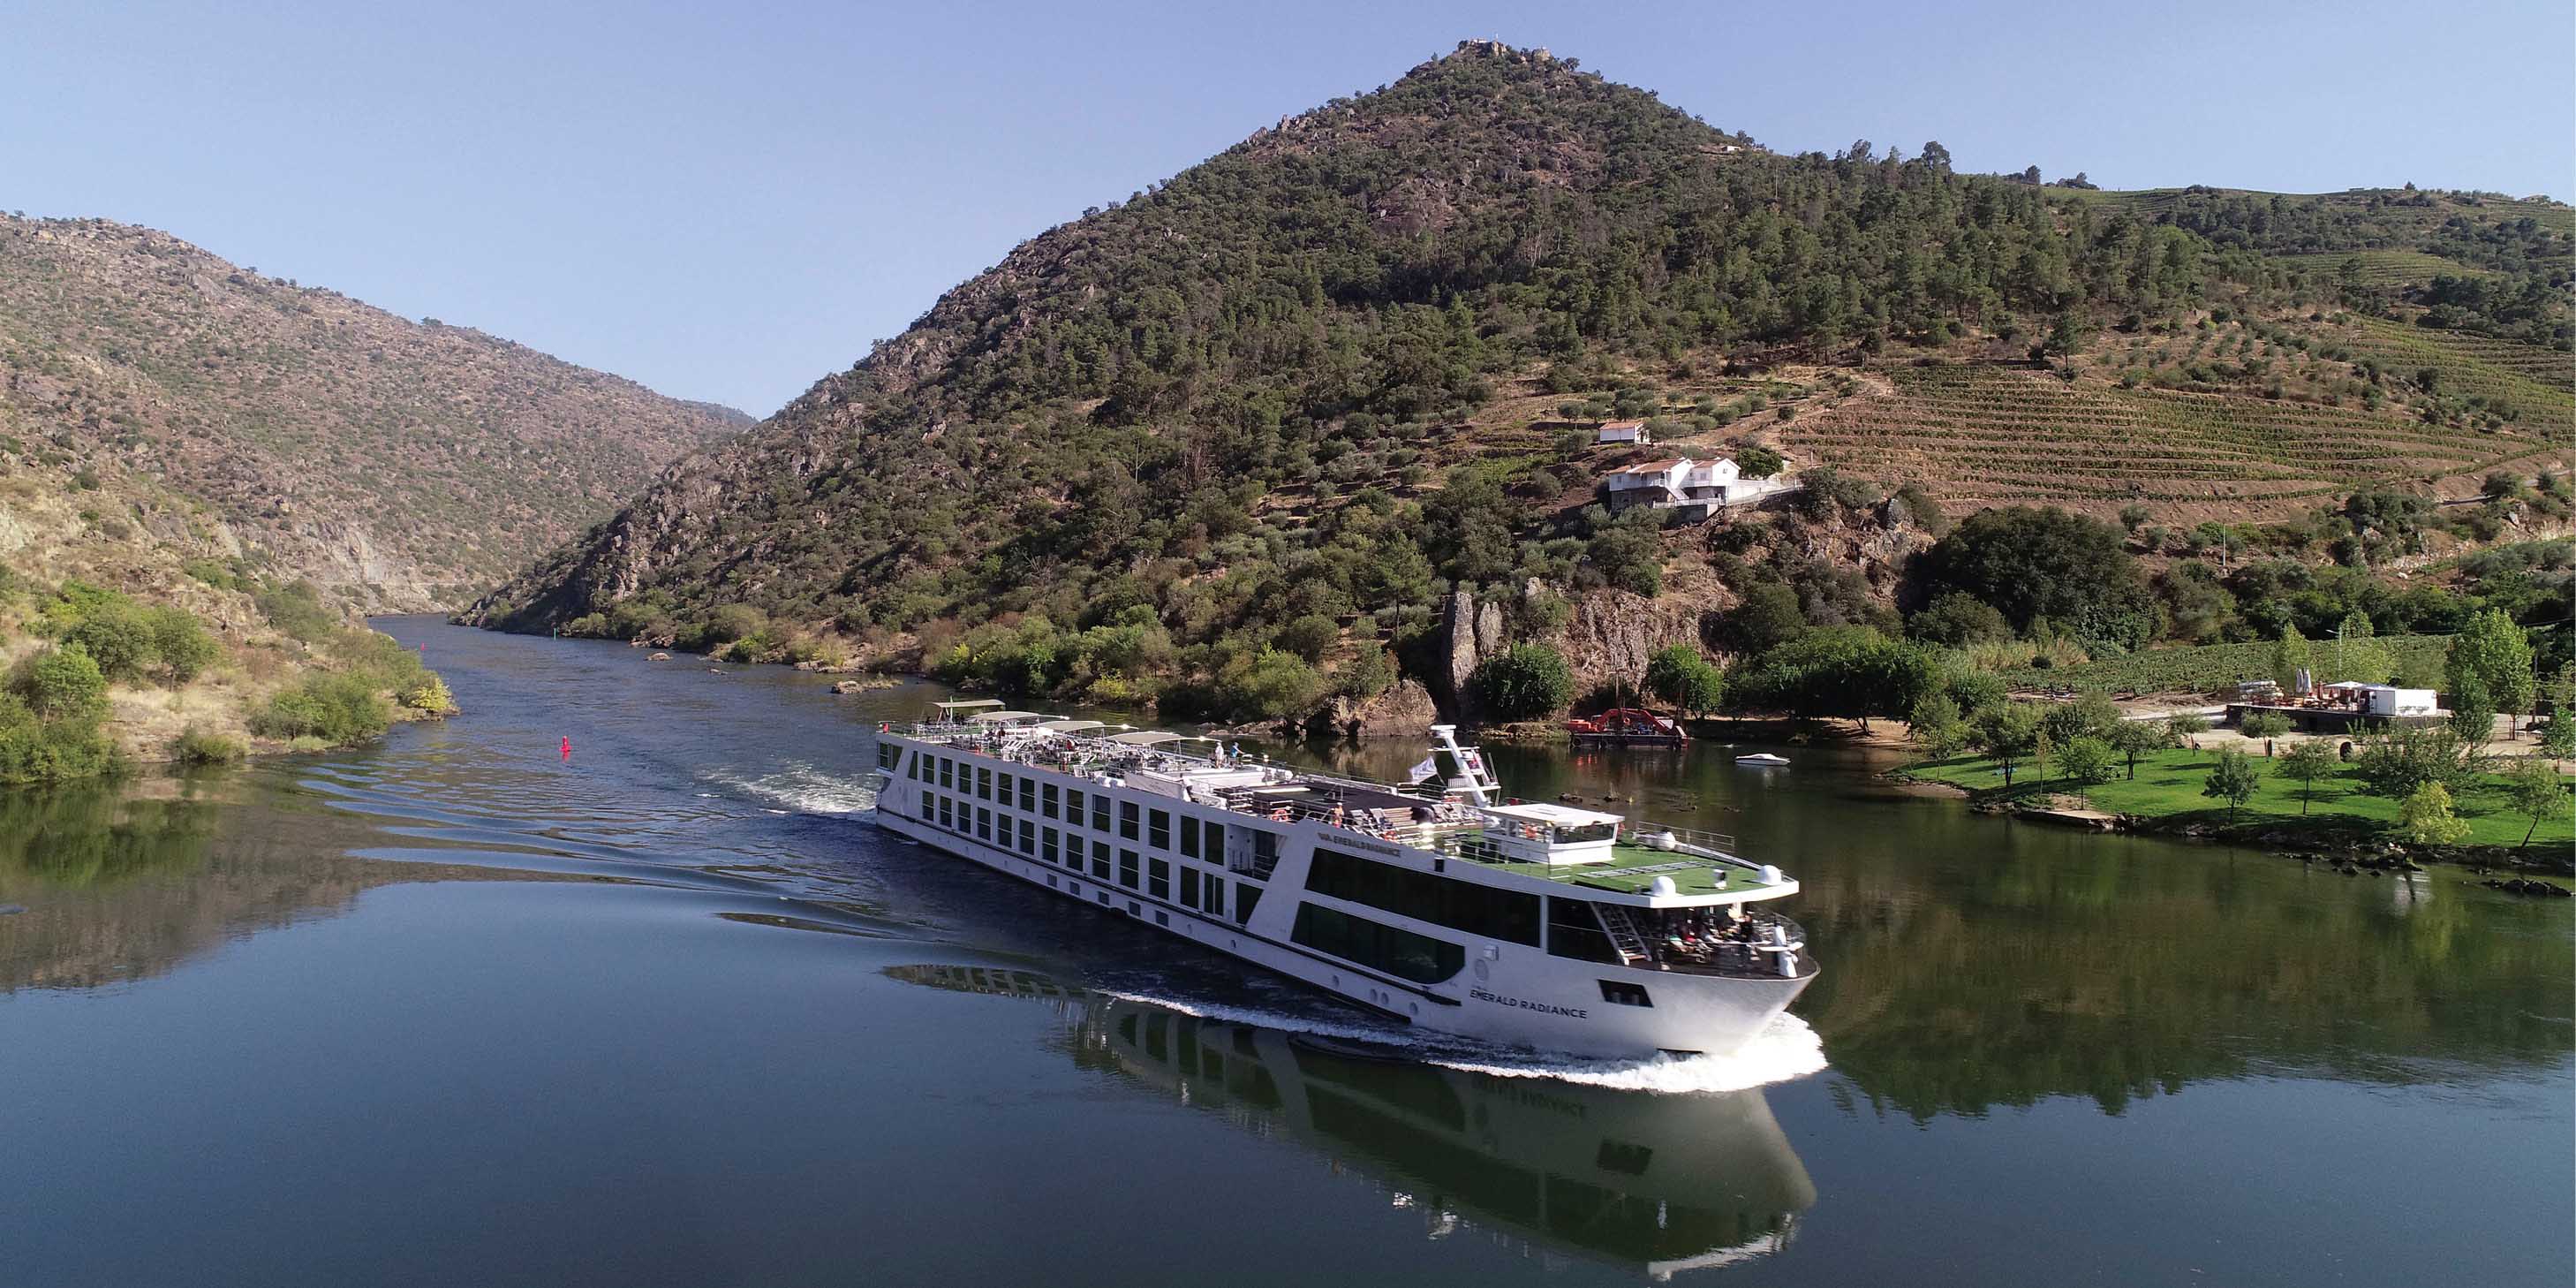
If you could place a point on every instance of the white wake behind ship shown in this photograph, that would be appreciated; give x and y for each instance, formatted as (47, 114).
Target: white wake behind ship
(1440, 902)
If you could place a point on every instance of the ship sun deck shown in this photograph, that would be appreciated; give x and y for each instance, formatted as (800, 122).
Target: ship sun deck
(1633, 867)
(1596, 852)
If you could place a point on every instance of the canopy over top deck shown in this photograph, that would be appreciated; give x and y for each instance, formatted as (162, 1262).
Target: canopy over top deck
(1552, 815)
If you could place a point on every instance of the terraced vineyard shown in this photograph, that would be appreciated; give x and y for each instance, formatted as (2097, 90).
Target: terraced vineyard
(2208, 668)
(1982, 435)
(2551, 367)
(2390, 217)
(2540, 382)
(2388, 269)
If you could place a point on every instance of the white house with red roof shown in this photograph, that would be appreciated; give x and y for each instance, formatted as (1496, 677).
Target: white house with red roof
(1677, 482)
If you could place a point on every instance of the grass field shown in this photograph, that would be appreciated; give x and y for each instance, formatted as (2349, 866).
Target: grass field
(2168, 788)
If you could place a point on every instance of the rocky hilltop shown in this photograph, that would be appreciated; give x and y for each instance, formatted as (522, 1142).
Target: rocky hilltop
(403, 465)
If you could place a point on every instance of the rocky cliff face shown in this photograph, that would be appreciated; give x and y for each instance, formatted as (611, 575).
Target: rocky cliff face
(401, 464)
(1608, 636)
(1611, 633)
(1470, 632)
(1404, 710)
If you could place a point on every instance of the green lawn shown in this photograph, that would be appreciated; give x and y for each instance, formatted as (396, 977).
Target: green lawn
(2168, 785)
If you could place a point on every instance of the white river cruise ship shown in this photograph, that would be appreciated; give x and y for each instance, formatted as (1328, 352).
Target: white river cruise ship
(1439, 903)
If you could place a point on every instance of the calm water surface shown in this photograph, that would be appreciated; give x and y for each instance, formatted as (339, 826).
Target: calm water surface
(454, 1010)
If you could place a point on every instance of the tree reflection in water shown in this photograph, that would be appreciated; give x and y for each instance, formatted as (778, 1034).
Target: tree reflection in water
(97, 834)
(122, 881)
(1972, 962)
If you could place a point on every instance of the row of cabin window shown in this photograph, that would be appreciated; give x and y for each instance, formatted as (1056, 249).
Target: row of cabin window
(1396, 951)
(1465, 906)
(1205, 892)
(1390, 950)
(1574, 928)
(1483, 910)
(1202, 839)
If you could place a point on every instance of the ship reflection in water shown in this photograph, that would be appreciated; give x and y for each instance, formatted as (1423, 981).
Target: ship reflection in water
(1651, 1182)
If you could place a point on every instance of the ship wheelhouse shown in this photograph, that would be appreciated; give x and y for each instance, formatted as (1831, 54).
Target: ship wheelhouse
(1555, 835)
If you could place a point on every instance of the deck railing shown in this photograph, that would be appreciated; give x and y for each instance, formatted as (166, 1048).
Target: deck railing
(1691, 841)
(1717, 847)
(1100, 760)
(1764, 940)
(1326, 811)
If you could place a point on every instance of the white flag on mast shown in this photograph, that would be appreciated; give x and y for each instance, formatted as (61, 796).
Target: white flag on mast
(1427, 768)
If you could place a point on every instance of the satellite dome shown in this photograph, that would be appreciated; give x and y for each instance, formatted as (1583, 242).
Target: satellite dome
(1663, 885)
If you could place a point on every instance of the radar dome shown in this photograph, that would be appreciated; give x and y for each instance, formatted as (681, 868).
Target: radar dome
(1664, 885)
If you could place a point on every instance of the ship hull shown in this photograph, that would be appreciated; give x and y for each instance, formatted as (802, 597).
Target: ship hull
(1501, 992)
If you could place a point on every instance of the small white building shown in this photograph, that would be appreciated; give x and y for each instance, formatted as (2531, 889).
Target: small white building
(1655, 483)
(1623, 431)
(1677, 483)
(2387, 699)
(1714, 480)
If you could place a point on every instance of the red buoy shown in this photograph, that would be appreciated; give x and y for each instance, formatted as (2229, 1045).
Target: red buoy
(567, 749)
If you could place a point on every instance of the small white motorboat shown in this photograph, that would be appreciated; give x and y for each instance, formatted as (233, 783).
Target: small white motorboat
(1762, 759)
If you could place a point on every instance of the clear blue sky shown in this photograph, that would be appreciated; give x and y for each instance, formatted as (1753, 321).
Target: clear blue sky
(730, 201)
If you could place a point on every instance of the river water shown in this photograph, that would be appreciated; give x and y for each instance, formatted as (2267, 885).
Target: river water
(457, 1009)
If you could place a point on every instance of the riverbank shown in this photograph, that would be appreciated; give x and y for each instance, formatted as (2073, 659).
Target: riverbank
(2335, 813)
(110, 668)
(1882, 735)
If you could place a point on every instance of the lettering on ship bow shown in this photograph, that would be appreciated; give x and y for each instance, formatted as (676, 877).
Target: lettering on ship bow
(1543, 1008)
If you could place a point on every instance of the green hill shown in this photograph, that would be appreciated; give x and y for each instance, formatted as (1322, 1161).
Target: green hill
(1234, 439)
